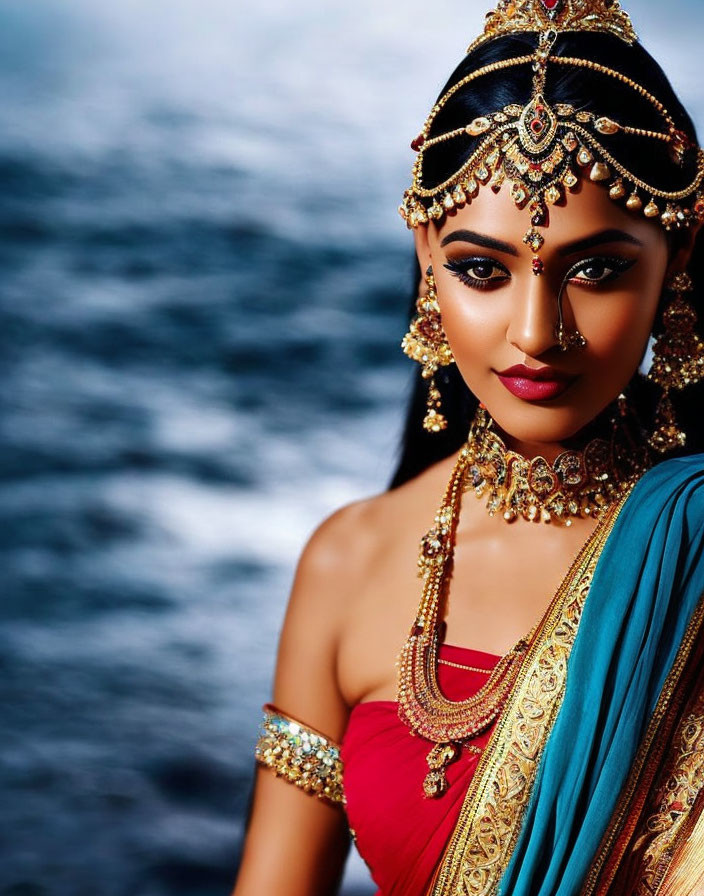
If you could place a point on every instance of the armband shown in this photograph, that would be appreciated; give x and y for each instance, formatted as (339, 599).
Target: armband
(301, 755)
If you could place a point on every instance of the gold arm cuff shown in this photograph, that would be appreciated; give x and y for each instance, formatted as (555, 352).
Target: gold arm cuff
(300, 754)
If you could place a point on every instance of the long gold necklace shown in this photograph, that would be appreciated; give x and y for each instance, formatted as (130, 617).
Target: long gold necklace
(577, 484)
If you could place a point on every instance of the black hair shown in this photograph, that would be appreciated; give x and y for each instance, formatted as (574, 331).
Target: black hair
(592, 91)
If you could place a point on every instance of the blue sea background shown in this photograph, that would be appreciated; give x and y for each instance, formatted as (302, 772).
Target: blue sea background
(204, 284)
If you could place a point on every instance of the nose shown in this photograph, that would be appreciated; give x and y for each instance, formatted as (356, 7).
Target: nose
(532, 327)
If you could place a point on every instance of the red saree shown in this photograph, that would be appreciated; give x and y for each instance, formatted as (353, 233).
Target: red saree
(399, 832)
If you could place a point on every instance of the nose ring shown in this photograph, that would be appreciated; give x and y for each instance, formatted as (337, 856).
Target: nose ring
(567, 340)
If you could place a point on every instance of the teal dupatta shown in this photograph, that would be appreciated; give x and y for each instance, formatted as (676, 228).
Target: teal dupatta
(646, 586)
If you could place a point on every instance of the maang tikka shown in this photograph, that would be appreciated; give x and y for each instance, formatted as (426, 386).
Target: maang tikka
(427, 344)
(678, 360)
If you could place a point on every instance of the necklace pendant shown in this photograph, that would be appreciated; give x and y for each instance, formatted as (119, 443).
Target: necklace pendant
(435, 784)
(441, 755)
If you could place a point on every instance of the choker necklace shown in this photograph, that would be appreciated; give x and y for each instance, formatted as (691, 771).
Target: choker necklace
(578, 484)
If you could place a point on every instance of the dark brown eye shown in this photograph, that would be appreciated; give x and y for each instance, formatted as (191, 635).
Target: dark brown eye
(482, 271)
(478, 272)
(598, 270)
(594, 270)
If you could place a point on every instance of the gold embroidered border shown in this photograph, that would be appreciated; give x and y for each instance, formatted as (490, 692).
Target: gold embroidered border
(616, 838)
(492, 812)
(686, 873)
(675, 799)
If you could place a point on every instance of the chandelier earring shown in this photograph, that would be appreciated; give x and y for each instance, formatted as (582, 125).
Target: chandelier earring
(427, 344)
(678, 360)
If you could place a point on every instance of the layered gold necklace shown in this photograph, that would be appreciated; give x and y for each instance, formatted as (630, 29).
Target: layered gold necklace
(577, 484)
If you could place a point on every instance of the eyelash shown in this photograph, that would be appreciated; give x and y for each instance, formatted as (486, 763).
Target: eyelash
(618, 265)
(459, 268)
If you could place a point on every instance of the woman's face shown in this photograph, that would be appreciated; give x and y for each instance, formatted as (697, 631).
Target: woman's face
(497, 313)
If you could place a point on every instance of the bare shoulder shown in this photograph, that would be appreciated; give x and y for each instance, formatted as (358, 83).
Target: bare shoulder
(363, 549)
(384, 589)
(306, 683)
(346, 545)
(338, 546)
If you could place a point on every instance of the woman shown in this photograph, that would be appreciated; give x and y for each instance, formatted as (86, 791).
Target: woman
(556, 200)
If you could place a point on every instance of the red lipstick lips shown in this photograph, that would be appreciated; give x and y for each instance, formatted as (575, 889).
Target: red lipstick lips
(535, 383)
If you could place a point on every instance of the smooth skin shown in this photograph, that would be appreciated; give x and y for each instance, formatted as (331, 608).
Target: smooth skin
(356, 591)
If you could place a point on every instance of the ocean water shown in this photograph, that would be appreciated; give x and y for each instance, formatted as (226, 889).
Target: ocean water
(204, 284)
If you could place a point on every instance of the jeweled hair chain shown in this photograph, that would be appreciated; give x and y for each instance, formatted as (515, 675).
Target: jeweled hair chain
(543, 149)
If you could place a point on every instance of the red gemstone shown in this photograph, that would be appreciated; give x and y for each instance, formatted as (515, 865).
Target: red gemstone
(417, 143)
(550, 4)
(537, 126)
(538, 267)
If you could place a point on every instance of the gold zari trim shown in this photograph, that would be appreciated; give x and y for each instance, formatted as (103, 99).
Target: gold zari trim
(491, 815)
(300, 755)
(687, 871)
(675, 799)
(606, 863)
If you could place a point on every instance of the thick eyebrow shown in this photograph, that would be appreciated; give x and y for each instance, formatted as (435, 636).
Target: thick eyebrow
(588, 242)
(479, 239)
(598, 239)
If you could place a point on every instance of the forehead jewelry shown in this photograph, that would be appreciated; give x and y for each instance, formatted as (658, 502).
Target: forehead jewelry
(544, 149)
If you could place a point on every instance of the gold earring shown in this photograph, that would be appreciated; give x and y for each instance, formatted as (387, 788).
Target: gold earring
(427, 344)
(678, 361)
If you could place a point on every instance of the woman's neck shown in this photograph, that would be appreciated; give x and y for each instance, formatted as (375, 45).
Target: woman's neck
(601, 427)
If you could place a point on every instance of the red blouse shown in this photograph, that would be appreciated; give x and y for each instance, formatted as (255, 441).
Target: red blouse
(400, 833)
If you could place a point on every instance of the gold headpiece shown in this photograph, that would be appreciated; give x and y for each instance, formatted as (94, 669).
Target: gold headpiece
(543, 149)
(511, 16)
